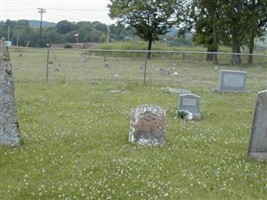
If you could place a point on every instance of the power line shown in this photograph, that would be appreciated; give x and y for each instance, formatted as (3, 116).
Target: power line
(58, 9)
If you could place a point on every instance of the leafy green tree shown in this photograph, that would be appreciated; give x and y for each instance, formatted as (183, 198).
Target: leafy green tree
(230, 22)
(100, 26)
(85, 28)
(206, 16)
(257, 18)
(65, 26)
(51, 36)
(149, 19)
(118, 33)
(243, 20)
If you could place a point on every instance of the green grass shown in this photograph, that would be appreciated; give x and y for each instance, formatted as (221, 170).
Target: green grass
(75, 145)
(75, 140)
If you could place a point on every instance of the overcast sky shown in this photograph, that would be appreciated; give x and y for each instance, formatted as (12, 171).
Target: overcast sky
(56, 10)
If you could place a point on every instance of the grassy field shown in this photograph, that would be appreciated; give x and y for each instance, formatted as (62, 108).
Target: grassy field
(75, 135)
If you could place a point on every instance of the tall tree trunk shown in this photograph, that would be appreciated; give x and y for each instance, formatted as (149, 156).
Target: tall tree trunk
(212, 53)
(214, 44)
(251, 48)
(149, 47)
(213, 48)
(236, 58)
(237, 6)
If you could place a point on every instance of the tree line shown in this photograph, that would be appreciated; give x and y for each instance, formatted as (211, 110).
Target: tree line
(27, 33)
(234, 23)
(23, 33)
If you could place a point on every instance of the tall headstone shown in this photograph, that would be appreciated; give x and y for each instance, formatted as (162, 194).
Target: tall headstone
(9, 127)
(258, 138)
(147, 126)
(232, 81)
(191, 103)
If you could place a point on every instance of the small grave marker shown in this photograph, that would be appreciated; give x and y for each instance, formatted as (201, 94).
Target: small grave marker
(191, 103)
(232, 81)
(178, 90)
(147, 126)
(258, 139)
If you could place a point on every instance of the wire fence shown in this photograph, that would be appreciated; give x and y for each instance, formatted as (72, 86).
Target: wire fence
(171, 67)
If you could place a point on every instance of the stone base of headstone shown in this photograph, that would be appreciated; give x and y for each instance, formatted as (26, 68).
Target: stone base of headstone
(260, 156)
(147, 126)
(216, 90)
(9, 127)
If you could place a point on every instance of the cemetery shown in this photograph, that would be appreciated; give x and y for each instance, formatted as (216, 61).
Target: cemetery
(91, 128)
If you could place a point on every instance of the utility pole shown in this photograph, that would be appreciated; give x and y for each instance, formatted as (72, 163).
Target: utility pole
(108, 33)
(41, 11)
(8, 32)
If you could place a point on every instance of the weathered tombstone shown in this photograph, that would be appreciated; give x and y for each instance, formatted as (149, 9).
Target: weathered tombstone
(163, 56)
(147, 126)
(164, 71)
(82, 58)
(9, 128)
(232, 81)
(107, 66)
(178, 90)
(258, 138)
(191, 103)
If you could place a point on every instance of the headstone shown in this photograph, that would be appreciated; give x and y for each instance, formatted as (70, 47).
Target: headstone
(9, 128)
(178, 90)
(147, 126)
(232, 81)
(118, 91)
(164, 71)
(82, 58)
(163, 56)
(258, 138)
(191, 103)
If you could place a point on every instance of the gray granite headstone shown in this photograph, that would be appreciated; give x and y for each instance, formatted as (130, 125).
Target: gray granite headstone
(258, 139)
(9, 128)
(147, 126)
(232, 81)
(191, 103)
